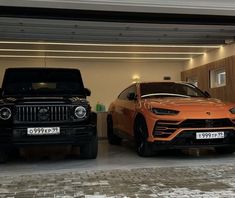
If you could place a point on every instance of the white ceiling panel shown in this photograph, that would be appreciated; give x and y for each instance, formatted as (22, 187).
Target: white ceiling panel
(215, 7)
(113, 32)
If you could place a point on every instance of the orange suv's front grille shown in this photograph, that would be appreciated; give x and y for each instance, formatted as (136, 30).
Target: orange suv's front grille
(164, 128)
(206, 123)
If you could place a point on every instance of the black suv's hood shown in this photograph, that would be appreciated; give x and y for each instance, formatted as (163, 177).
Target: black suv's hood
(41, 100)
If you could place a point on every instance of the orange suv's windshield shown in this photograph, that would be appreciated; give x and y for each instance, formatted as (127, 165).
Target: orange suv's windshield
(169, 89)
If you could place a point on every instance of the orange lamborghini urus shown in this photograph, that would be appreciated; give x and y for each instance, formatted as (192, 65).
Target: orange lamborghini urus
(168, 115)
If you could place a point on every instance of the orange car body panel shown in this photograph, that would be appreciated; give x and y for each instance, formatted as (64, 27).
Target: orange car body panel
(124, 112)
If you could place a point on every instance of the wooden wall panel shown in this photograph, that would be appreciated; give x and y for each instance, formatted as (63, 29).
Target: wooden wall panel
(202, 74)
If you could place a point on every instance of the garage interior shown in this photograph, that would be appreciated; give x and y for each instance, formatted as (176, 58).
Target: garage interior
(113, 49)
(116, 43)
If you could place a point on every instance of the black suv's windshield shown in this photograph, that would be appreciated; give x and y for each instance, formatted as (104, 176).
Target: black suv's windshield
(42, 82)
(169, 89)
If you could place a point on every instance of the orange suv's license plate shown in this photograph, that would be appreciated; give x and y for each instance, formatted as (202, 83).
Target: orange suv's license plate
(210, 135)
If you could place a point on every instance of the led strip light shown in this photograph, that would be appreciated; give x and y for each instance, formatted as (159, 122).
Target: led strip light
(95, 57)
(97, 52)
(109, 44)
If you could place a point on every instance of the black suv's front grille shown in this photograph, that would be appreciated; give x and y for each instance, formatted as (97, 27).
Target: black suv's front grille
(43, 113)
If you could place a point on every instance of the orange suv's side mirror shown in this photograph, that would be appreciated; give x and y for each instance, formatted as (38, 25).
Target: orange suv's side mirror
(131, 96)
(207, 94)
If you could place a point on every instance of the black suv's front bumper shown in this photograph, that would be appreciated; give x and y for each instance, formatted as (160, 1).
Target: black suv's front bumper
(69, 135)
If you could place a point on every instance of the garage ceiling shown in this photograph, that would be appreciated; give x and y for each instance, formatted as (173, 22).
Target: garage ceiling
(94, 35)
(208, 7)
(117, 32)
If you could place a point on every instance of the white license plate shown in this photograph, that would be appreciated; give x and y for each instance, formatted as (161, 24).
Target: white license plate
(43, 131)
(210, 135)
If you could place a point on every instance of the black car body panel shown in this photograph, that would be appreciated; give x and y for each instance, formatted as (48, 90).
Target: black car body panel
(45, 109)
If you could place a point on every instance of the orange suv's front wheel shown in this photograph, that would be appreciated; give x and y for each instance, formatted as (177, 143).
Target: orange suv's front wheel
(143, 147)
(112, 138)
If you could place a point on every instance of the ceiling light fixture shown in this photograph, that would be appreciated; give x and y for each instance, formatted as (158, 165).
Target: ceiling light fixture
(96, 57)
(109, 44)
(97, 52)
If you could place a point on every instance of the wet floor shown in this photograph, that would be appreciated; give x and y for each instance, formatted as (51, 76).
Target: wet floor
(110, 157)
(118, 172)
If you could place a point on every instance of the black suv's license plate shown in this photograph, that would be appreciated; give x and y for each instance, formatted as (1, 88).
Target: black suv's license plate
(43, 131)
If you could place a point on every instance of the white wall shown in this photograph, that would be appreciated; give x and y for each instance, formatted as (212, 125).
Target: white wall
(211, 56)
(106, 79)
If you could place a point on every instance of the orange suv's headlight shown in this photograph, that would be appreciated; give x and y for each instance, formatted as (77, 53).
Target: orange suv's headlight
(232, 110)
(160, 111)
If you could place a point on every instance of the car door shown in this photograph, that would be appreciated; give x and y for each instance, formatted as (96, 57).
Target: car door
(127, 107)
(117, 110)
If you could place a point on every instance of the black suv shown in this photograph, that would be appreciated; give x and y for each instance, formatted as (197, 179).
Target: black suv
(46, 106)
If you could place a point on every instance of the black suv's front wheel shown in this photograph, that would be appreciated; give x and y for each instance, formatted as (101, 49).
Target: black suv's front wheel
(3, 156)
(225, 150)
(90, 150)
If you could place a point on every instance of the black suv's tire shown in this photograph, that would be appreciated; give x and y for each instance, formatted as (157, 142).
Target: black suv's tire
(90, 150)
(3, 156)
(112, 138)
(143, 147)
(225, 150)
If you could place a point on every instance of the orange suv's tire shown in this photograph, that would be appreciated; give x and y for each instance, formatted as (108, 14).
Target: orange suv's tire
(143, 147)
(112, 138)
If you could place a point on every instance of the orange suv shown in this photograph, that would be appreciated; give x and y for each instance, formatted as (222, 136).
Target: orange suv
(168, 115)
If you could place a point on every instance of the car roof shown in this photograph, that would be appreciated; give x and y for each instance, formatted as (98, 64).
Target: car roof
(40, 69)
(168, 82)
(180, 82)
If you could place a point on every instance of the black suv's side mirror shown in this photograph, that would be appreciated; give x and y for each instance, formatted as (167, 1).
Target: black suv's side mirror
(131, 96)
(207, 94)
(87, 92)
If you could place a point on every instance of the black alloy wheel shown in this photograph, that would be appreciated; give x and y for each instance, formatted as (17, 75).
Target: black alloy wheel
(143, 147)
(3, 156)
(90, 150)
(225, 150)
(112, 138)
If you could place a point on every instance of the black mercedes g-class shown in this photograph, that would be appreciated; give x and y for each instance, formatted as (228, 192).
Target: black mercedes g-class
(46, 106)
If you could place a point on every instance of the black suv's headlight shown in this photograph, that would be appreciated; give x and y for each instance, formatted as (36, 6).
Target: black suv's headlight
(232, 110)
(5, 113)
(80, 112)
(159, 111)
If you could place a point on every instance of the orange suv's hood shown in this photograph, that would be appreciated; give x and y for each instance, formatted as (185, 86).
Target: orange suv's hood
(188, 103)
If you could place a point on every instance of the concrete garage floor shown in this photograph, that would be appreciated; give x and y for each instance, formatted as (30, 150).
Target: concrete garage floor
(119, 172)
